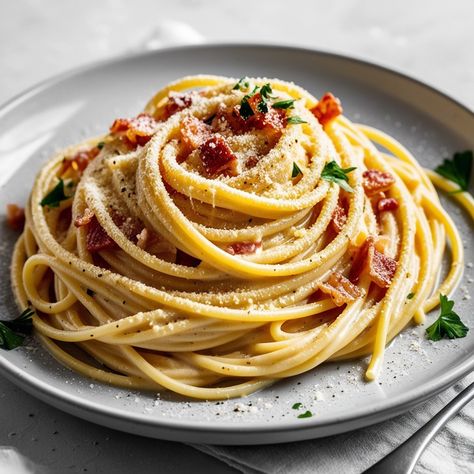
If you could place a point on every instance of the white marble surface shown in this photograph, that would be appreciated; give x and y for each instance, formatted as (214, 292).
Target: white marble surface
(430, 40)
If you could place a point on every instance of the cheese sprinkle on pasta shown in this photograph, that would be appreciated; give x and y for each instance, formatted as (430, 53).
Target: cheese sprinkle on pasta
(233, 234)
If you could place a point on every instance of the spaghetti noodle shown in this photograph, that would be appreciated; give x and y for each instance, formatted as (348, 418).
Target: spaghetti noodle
(231, 235)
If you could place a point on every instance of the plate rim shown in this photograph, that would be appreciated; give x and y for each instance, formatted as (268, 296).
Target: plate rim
(381, 410)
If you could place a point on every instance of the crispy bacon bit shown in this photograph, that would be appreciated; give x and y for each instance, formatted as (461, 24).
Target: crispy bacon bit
(380, 268)
(375, 181)
(228, 118)
(177, 101)
(182, 258)
(251, 162)
(217, 157)
(97, 239)
(79, 161)
(340, 289)
(194, 133)
(137, 130)
(387, 204)
(15, 217)
(339, 216)
(84, 219)
(327, 109)
(243, 248)
(272, 122)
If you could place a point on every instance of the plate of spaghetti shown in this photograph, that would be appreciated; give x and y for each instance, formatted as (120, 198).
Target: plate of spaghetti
(252, 251)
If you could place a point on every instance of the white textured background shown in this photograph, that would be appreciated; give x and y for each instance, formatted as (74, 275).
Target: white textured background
(430, 40)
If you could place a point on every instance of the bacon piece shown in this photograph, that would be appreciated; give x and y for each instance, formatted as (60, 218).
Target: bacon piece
(272, 122)
(251, 162)
(194, 133)
(79, 161)
(15, 217)
(97, 239)
(340, 289)
(380, 268)
(376, 181)
(177, 101)
(243, 248)
(183, 258)
(217, 157)
(137, 130)
(229, 118)
(328, 108)
(387, 204)
(84, 219)
(339, 216)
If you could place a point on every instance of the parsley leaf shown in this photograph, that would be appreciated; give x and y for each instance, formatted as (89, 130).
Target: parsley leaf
(266, 91)
(284, 104)
(262, 106)
(334, 173)
(458, 169)
(410, 296)
(242, 83)
(245, 109)
(100, 145)
(295, 120)
(448, 324)
(55, 196)
(296, 170)
(265, 94)
(9, 337)
(306, 414)
(297, 406)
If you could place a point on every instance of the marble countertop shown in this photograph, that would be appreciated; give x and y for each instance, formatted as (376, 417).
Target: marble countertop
(428, 40)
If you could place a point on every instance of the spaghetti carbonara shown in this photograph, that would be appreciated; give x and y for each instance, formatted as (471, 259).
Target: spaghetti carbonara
(233, 234)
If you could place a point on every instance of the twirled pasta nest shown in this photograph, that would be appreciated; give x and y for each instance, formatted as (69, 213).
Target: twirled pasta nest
(235, 233)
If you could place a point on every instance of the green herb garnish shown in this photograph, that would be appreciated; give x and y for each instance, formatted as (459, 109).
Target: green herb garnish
(448, 324)
(306, 414)
(410, 296)
(334, 173)
(266, 91)
(100, 145)
(295, 120)
(284, 104)
(245, 109)
(9, 337)
(55, 196)
(262, 106)
(458, 169)
(296, 170)
(242, 83)
(297, 406)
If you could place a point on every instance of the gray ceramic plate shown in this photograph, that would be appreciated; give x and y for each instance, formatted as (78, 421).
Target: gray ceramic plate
(66, 109)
